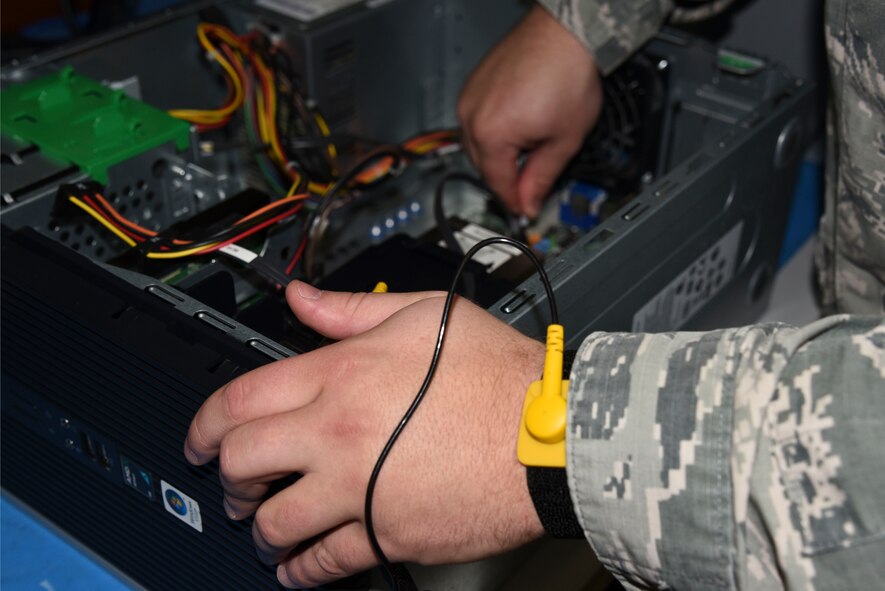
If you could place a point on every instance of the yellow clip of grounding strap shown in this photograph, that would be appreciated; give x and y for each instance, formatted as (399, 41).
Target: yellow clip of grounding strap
(542, 430)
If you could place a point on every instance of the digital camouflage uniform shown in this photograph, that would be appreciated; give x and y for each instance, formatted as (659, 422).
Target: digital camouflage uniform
(749, 458)
(851, 249)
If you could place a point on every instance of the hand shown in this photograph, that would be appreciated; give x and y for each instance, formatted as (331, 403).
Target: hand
(452, 489)
(537, 93)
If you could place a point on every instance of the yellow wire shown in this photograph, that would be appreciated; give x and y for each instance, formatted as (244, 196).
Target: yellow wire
(270, 115)
(318, 188)
(426, 147)
(259, 107)
(324, 129)
(181, 253)
(293, 187)
(103, 221)
(130, 241)
(211, 116)
(266, 107)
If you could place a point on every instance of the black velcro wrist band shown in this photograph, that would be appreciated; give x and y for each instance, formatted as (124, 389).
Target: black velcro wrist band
(549, 488)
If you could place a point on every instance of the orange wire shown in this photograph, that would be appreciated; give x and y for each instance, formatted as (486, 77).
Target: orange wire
(277, 203)
(132, 225)
(428, 137)
(119, 218)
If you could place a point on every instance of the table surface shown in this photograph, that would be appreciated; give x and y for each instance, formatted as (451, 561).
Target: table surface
(35, 557)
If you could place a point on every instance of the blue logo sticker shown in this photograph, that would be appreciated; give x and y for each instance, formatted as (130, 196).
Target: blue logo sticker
(181, 506)
(176, 502)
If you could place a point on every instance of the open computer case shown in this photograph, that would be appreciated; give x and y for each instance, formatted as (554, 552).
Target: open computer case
(670, 217)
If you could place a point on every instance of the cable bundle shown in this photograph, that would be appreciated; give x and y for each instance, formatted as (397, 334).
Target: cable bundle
(157, 246)
(295, 144)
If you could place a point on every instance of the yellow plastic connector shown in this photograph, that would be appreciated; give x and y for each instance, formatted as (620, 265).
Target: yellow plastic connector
(542, 431)
(380, 287)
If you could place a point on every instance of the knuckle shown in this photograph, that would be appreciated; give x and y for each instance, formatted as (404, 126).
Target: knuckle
(288, 516)
(345, 427)
(298, 572)
(235, 399)
(484, 130)
(328, 562)
(353, 305)
(196, 436)
(266, 529)
(229, 462)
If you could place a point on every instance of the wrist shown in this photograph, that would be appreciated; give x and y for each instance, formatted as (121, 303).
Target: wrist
(549, 489)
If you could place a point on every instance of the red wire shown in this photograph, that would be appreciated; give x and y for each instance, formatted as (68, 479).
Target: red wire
(107, 208)
(210, 126)
(291, 266)
(251, 231)
(112, 221)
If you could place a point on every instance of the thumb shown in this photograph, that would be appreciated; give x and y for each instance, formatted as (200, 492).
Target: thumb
(541, 170)
(339, 314)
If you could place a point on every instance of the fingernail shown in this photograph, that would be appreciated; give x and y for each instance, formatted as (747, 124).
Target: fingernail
(533, 209)
(283, 578)
(192, 456)
(308, 291)
(228, 508)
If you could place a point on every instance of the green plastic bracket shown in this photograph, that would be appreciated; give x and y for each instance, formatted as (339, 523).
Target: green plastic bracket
(738, 63)
(77, 120)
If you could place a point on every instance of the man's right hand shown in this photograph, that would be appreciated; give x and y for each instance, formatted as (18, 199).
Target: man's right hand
(537, 93)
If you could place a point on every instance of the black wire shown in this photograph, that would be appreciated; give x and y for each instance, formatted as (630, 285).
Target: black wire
(97, 204)
(311, 143)
(165, 238)
(226, 233)
(266, 270)
(442, 222)
(329, 198)
(389, 567)
(319, 164)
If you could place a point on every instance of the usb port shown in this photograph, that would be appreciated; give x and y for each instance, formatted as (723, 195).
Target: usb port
(95, 450)
(104, 460)
(86, 446)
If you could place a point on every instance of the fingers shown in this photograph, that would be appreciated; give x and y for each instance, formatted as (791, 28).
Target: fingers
(313, 505)
(492, 144)
(256, 394)
(536, 93)
(262, 451)
(500, 171)
(542, 168)
(340, 553)
(339, 315)
(259, 393)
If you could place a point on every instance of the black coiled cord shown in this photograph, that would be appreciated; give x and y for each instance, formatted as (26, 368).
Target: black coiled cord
(397, 576)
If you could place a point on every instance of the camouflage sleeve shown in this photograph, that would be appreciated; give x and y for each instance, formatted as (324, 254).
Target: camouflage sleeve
(745, 458)
(850, 253)
(611, 30)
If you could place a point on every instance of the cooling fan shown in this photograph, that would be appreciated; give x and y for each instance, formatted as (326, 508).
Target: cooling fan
(625, 143)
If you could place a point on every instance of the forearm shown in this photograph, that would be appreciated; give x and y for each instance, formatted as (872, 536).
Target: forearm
(733, 458)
